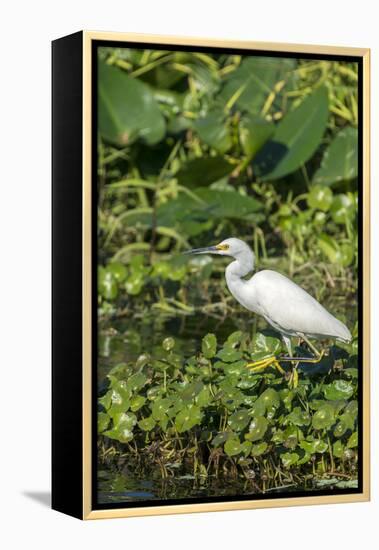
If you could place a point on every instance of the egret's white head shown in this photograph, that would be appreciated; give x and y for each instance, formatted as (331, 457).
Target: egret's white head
(228, 247)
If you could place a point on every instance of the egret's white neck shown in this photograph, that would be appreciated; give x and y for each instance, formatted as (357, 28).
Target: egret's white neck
(243, 264)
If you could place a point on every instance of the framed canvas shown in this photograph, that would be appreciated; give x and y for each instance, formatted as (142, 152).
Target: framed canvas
(210, 275)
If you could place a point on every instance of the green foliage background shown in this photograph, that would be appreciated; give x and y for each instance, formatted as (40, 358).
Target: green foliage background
(194, 148)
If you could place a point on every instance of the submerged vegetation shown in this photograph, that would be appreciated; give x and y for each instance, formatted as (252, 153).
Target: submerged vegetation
(194, 148)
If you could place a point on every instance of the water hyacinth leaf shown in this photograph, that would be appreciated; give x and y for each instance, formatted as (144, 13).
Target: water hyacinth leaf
(229, 355)
(338, 449)
(191, 390)
(220, 438)
(120, 398)
(234, 339)
(323, 417)
(214, 131)
(127, 108)
(352, 441)
(314, 446)
(137, 402)
(147, 424)
(254, 132)
(257, 428)
(209, 346)
(187, 418)
(340, 160)
(232, 446)
(296, 138)
(267, 343)
(338, 389)
(299, 417)
(102, 421)
(136, 381)
(289, 459)
(118, 271)
(259, 448)
(320, 197)
(160, 407)
(235, 368)
(239, 420)
(270, 398)
(228, 204)
(204, 398)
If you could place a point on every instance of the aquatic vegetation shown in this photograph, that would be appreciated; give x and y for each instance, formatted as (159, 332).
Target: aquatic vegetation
(209, 415)
(212, 146)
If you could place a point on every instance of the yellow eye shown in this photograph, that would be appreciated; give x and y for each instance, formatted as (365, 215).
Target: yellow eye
(222, 247)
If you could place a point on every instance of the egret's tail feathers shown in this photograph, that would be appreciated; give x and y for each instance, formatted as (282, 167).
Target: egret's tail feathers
(342, 332)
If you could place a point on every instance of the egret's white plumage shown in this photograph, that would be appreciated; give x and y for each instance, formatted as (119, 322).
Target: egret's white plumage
(285, 305)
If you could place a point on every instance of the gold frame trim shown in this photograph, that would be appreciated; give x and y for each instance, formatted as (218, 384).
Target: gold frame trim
(88, 513)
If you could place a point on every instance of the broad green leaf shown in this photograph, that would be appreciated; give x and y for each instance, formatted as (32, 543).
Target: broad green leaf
(343, 208)
(259, 448)
(249, 86)
(289, 459)
(127, 108)
(340, 160)
(203, 171)
(338, 389)
(323, 417)
(107, 284)
(187, 418)
(353, 441)
(192, 390)
(257, 429)
(232, 446)
(299, 417)
(229, 355)
(239, 420)
(254, 133)
(137, 402)
(147, 424)
(338, 449)
(168, 343)
(214, 131)
(296, 138)
(102, 421)
(209, 346)
(266, 343)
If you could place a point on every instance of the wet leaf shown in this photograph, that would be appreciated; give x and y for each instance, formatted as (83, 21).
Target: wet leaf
(239, 420)
(340, 160)
(147, 424)
(137, 402)
(289, 459)
(259, 448)
(338, 389)
(296, 138)
(232, 447)
(257, 428)
(127, 108)
(187, 418)
(102, 421)
(168, 343)
(353, 441)
(209, 346)
(214, 131)
(320, 197)
(323, 417)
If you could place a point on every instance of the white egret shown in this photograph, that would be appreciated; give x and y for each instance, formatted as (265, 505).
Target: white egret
(287, 307)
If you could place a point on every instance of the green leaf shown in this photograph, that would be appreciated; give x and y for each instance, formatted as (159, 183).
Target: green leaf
(249, 86)
(323, 417)
(254, 133)
(313, 446)
(229, 355)
(296, 138)
(187, 418)
(266, 343)
(338, 389)
(102, 421)
(353, 441)
(270, 398)
(257, 428)
(338, 449)
(340, 160)
(320, 197)
(107, 284)
(203, 171)
(228, 204)
(343, 208)
(209, 346)
(136, 381)
(239, 420)
(160, 407)
(137, 402)
(289, 459)
(147, 424)
(192, 390)
(299, 417)
(214, 131)
(127, 108)
(259, 448)
(232, 447)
